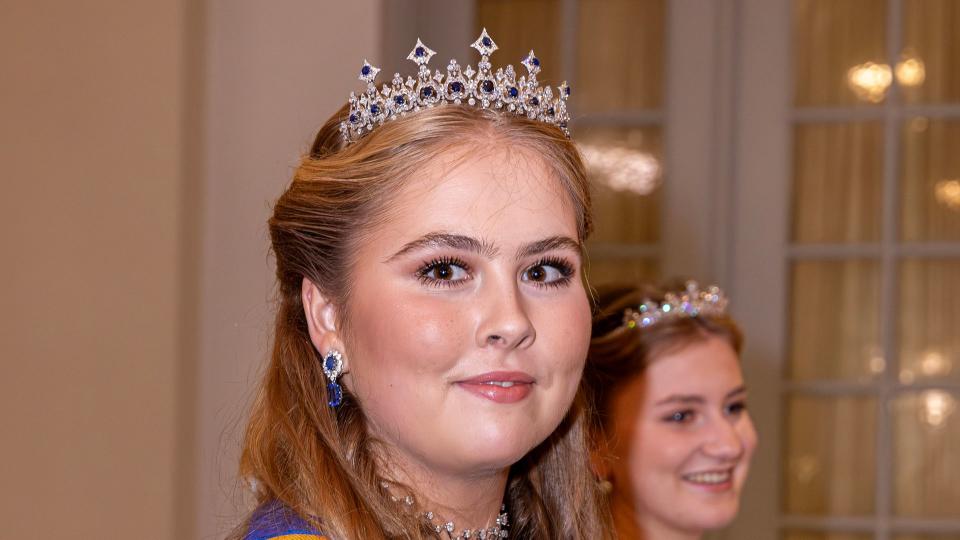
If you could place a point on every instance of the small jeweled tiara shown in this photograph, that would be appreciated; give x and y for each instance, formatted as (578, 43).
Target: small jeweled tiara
(500, 90)
(691, 303)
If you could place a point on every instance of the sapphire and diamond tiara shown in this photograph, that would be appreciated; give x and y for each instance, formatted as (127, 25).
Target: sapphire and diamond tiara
(693, 302)
(482, 88)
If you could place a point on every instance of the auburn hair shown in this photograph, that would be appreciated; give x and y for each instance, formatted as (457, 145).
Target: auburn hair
(322, 462)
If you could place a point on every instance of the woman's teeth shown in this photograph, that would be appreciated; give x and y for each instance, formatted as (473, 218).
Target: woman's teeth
(709, 477)
(504, 384)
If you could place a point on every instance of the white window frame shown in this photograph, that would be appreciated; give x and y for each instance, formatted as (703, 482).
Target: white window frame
(763, 255)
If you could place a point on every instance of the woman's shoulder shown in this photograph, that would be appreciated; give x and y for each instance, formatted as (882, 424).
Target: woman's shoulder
(275, 520)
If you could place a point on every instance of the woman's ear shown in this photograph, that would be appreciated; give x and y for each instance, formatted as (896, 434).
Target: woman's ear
(321, 317)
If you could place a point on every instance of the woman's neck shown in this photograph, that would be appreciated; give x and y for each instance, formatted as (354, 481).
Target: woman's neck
(635, 525)
(470, 502)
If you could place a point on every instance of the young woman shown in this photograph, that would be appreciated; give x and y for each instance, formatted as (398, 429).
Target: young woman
(676, 438)
(432, 321)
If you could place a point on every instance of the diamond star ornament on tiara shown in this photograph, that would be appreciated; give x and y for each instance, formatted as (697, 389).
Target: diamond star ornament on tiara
(483, 88)
(693, 302)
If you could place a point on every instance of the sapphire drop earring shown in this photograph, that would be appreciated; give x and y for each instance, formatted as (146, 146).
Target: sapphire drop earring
(332, 367)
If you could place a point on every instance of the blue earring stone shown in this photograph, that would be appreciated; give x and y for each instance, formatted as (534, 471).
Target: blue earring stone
(332, 367)
(336, 394)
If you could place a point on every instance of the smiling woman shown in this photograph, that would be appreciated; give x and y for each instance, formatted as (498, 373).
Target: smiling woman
(431, 331)
(676, 438)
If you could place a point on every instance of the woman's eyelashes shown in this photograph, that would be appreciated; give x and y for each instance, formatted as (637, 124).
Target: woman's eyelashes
(684, 416)
(443, 272)
(452, 271)
(735, 408)
(549, 272)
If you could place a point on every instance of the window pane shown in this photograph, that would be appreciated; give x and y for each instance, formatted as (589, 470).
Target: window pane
(930, 182)
(833, 43)
(932, 41)
(927, 453)
(838, 176)
(624, 165)
(630, 271)
(509, 24)
(621, 55)
(830, 463)
(818, 535)
(929, 313)
(834, 326)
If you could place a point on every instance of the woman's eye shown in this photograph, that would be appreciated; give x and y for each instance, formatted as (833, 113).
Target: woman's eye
(548, 272)
(443, 272)
(680, 417)
(736, 408)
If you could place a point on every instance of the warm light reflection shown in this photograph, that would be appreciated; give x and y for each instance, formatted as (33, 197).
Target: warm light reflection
(622, 169)
(937, 406)
(911, 72)
(870, 81)
(805, 468)
(947, 193)
(934, 364)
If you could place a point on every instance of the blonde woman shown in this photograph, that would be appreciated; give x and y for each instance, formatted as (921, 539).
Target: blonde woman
(675, 436)
(432, 321)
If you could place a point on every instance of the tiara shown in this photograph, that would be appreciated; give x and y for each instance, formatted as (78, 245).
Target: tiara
(692, 302)
(481, 88)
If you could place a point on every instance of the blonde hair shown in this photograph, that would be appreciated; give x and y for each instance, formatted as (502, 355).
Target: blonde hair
(321, 462)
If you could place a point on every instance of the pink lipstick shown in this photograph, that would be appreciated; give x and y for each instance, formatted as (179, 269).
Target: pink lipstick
(499, 386)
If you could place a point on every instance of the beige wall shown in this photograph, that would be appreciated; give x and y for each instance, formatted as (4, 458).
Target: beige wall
(91, 212)
(274, 75)
(141, 144)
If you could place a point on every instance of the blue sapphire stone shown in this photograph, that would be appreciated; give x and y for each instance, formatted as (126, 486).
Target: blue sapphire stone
(374, 109)
(536, 61)
(398, 100)
(353, 119)
(568, 90)
(513, 92)
(486, 42)
(487, 86)
(534, 101)
(456, 87)
(365, 70)
(336, 394)
(419, 52)
(427, 91)
(550, 111)
(330, 363)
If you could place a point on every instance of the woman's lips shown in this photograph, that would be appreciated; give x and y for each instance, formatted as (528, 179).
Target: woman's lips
(711, 481)
(499, 386)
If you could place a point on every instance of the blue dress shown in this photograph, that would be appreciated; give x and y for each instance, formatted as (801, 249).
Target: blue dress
(275, 521)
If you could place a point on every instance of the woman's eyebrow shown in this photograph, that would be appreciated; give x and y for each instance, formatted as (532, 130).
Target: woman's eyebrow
(467, 243)
(547, 244)
(684, 399)
(447, 240)
(742, 389)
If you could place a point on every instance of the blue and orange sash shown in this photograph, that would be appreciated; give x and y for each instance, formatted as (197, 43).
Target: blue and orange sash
(274, 521)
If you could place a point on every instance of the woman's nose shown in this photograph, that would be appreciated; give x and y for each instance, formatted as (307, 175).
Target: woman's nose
(505, 322)
(723, 441)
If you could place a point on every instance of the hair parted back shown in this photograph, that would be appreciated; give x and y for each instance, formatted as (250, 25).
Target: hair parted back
(618, 353)
(320, 461)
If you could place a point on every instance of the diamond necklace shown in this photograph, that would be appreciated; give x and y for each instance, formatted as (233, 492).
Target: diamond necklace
(499, 530)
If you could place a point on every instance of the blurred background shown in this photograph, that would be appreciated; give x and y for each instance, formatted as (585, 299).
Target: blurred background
(803, 154)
